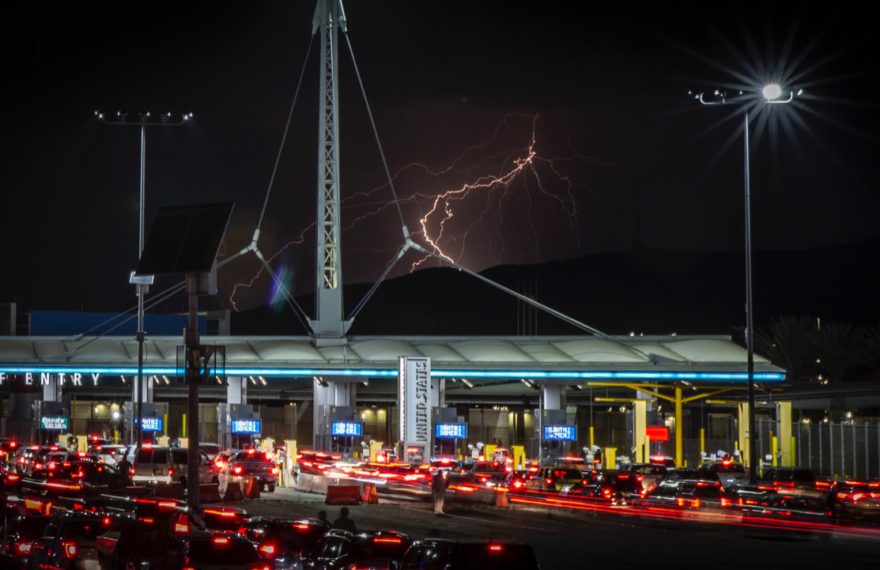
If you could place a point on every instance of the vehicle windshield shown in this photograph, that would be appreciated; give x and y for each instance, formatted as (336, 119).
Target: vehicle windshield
(150, 455)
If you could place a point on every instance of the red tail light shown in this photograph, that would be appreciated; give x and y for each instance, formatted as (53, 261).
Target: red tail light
(23, 548)
(146, 520)
(70, 549)
(496, 548)
(301, 526)
(387, 540)
(237, 470)
(606, 492)
(106, 521)
(222, 540)
(171, 471)
(548, 481)
(679, 502)
(268, 549)
(695, 503)
(106, 544)
(725, 502)
(274, 471)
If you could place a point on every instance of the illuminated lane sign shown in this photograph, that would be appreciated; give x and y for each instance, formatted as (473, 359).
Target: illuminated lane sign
(152, 424)
(347, 428)
(559, 433)
(459, 431)
(247, 426)
(54, 422)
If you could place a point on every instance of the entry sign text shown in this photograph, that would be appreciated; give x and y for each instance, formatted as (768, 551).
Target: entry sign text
(559, 433)
(415, 401)
(347, 428)
(246, 426)
(54, 422)
(450, 431)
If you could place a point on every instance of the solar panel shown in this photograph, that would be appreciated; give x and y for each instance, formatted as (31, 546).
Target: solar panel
(185, 239)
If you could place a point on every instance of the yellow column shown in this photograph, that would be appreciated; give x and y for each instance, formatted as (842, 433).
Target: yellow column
(743, 408)
(183, 429)
(783, 427)
(647, 450)
(702, 441)
(640, 409)
(592, 437)
(679, 429)
(164, 424)
(793, 456)
(609, 458)
(773, 449)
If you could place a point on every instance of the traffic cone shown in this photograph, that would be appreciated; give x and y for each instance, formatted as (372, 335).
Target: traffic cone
(501, 499)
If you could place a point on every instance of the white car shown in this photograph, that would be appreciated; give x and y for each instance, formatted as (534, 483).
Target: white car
(109, 454)
(154, 464)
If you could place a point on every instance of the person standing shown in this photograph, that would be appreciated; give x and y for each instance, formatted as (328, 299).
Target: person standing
(343, 522)
(438, 490)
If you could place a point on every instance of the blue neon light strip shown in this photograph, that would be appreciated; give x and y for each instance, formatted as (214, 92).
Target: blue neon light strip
(392, 373)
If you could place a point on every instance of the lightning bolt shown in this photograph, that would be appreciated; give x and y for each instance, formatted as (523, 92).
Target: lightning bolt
(491, 176)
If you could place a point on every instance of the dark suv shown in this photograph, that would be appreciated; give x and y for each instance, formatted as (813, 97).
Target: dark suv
(440, 554)
(341, 549)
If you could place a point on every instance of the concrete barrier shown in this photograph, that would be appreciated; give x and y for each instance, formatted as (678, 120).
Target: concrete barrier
(169, 490)
(209, 493)
(233, 492)
(343, 495)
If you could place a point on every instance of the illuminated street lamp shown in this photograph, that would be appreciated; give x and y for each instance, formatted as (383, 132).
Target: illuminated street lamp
(771, 94)
(143, 120)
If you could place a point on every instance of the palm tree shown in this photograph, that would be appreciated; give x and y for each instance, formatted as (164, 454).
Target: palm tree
(839, 350)
(790, 343)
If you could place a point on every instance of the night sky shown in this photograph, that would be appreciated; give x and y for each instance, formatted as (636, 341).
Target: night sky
(623, 156)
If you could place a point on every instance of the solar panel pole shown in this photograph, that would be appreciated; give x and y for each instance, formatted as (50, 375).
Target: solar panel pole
(193, 375)
(141, 283)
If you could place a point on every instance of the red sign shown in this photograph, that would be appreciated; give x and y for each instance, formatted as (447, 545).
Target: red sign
(657, 433)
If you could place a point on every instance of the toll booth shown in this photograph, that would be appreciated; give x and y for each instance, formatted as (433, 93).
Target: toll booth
(344, 436)
(51, 421)
(555, 436)
(238, 426)
(450, 432)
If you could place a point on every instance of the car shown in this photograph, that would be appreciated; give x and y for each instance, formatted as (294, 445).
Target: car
(256, 464)
(284, 543)
(315, 462)
(856, 499)
(558, 479)
(701, 494)
(155, 464)
(220, 519)
(793, 478)
(649, 474)
(209, 449)
(19, 534)
(728, 471)
(664, 492)
(617, 487)
(340, 549)
(123, 545)
(442, 554)
(69, 541)
(218, 551)
(109, 454)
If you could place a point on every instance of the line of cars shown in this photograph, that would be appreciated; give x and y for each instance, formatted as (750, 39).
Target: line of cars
(101, 532)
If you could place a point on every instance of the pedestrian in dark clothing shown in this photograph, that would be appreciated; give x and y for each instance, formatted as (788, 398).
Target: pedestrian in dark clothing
(438, 490)
(343, 522)
(123, 466)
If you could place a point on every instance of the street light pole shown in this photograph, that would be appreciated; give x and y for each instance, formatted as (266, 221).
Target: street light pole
(143, 120)
(771, 94)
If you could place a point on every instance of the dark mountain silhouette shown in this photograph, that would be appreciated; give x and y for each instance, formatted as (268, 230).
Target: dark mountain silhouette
(649, 291)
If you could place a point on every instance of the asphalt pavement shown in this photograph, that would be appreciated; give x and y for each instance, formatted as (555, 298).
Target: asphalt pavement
(580, 539)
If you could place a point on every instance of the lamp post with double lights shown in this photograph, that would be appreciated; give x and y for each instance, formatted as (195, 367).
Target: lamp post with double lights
(771, 94)
(143, 120)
